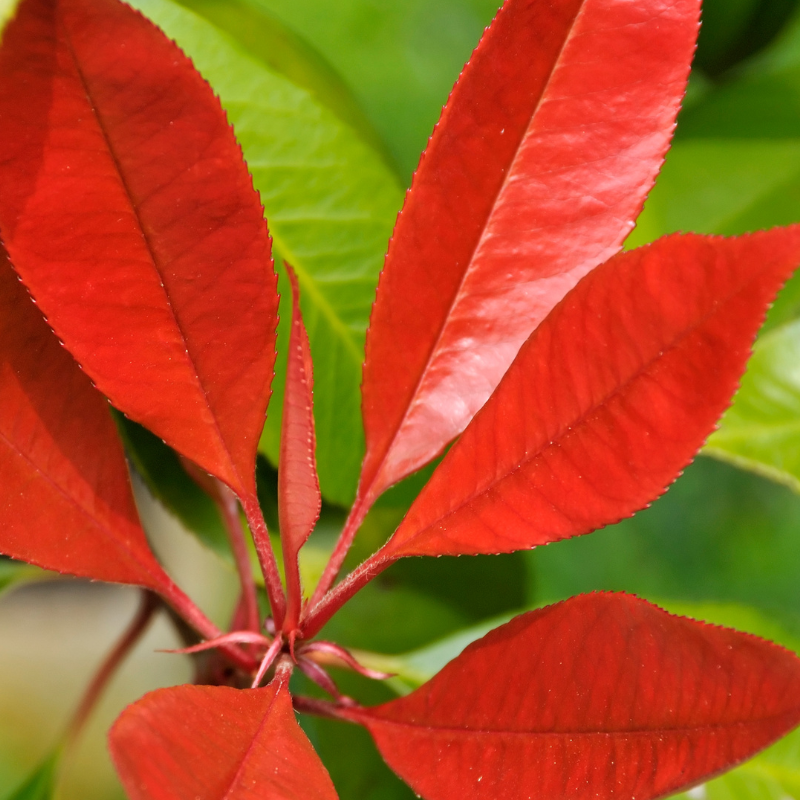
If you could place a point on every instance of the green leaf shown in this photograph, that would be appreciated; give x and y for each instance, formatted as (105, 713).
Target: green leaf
(401, 57)
(761, 430)
(414, 668)
(388, 617)
(41, 784)
(7, 9)
(355, 766)
(331, 203)
(724, 186)
(719, 533)
(267, 39)
(724, 22)
(13, 573)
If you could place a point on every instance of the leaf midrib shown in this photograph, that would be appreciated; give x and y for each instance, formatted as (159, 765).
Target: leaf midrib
(248, 752)
(571, 427)
(93, 521)
(312, 292)
(735, 432)
(117, 166)
(468, 269)
(632, 732)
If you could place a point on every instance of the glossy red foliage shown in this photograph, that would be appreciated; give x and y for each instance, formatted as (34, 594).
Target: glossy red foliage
(299, 499)
(128, 211)
(541, 161)
(65, 495)
(130, 217)
(217, 743)
(598, 696)
(607, 401)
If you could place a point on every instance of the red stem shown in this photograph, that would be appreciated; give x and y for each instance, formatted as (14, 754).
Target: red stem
(266, 557)
(340, 551)
(229, 508)
(195, 618)
(237, 637)
(331, 653)
(320, 708)
(266, 662)
(337, 597)
(315, 673)
(138, 625)
(294, 591)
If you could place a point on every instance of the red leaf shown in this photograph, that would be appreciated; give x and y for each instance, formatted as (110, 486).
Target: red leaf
(599, 696)
(607, 401)
(129, 214)
(299, 499)
(541, 161)
(217, 743)
(65, 495)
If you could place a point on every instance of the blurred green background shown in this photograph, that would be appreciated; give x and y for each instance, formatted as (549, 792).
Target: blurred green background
(333, 103)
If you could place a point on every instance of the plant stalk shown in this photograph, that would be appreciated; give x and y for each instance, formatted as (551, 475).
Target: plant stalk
(229, 508)
(319, 708)
(266, 558)
(340, 551)
(186, 609)
(138, 625)
(342, 592)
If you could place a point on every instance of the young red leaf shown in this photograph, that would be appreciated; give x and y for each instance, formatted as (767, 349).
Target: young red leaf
(129, 213)
(217, 743)
(607, 401)
(542, 159)
(65, 495)
(299, 499)
(599, 696)
(603, 406)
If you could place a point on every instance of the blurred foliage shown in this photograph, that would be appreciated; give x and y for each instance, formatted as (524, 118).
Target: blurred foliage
(13, 573)
(733, 30)
(718, 534)
(761, 431)
(277, 46)
(40, 785)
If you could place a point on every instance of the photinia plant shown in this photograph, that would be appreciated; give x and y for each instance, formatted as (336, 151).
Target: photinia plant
(571, 382)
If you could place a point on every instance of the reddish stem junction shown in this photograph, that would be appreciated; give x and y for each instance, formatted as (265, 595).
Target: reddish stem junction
(255, 654)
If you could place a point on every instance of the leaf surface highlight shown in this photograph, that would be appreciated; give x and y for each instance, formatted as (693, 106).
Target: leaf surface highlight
(608, 400)
(534, 175)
